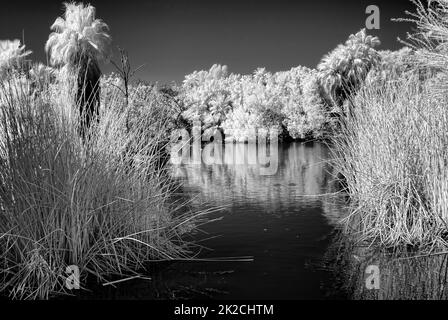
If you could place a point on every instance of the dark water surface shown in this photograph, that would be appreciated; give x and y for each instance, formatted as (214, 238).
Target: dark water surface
(289, 224)
(285, 221)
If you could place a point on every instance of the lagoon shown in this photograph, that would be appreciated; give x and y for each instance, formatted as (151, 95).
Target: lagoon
(289, 224)
(285, 221)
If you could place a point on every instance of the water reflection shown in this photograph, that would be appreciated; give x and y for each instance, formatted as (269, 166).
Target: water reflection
(404, 274)
(288, 222)
(303, 179)
(285, 221)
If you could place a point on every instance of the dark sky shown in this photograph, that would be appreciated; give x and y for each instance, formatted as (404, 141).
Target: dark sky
(176, 37)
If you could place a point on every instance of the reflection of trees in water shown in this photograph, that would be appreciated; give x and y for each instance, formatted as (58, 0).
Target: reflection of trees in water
(404, 274)
(303, 176)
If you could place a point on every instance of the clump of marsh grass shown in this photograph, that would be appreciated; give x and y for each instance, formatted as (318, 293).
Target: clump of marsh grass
(392, 152)
(102, 203)
(393, 144)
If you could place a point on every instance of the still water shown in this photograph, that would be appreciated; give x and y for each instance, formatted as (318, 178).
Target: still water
(288, 223)
(285, 221)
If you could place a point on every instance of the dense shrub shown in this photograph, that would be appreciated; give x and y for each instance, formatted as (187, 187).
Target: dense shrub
(207, 95)
(308, 116)
(288, 101)
(300, 103)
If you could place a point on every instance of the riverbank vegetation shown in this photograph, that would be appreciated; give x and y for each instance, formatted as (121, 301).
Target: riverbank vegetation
(84, 178)
(301, 103)
(84, 160)
(392, 147)
(383, 111)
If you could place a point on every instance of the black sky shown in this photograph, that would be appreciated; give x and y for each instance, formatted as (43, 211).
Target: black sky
(174, 38)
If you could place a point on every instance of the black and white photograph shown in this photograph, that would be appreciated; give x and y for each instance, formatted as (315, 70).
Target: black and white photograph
(223, 156)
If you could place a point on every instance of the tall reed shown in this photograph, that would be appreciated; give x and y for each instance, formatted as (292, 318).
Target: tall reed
(101, 203)
(392, 152)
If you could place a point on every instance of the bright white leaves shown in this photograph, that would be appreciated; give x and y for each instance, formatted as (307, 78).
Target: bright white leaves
(12, 55)
(78, 33)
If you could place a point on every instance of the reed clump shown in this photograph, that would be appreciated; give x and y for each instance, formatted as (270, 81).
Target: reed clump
(101, 202)
(392, 152)
(392, 148)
